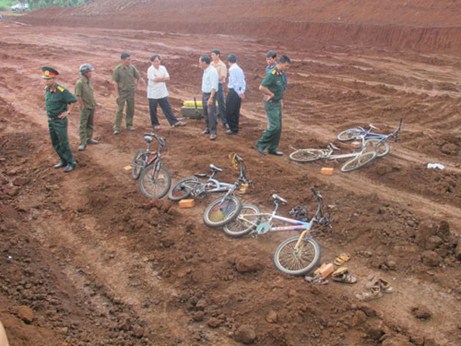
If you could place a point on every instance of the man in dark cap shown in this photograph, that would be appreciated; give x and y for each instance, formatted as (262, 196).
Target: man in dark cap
(125, 78)
(273, 89)
(59, 103)
(236, 94)
(87, 105)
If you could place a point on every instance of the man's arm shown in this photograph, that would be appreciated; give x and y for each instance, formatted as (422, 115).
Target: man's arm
(267, 93)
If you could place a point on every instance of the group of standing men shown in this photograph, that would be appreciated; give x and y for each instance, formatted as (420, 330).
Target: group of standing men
(59, 101)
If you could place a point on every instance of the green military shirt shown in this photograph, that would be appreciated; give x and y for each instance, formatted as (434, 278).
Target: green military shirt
(84, 89)
(56, 100)
(274, 82)
(126, 78)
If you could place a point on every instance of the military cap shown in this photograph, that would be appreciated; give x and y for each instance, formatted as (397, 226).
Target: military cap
(49, 72)
(124, 55)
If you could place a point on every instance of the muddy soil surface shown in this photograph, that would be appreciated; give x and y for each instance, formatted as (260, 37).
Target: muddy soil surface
(86, 259)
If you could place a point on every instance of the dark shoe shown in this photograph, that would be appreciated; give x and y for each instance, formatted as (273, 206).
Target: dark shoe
(205, 132)
(81, 147)
(213, 136)
(116, 132)
(230, 132)
(69, 168)
(59, 165)
(276, 153)
(130, 128)
(92, 141)
(260, 150)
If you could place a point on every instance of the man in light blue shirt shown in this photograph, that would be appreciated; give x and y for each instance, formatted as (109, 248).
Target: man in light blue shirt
(210, 82)
(236, 94)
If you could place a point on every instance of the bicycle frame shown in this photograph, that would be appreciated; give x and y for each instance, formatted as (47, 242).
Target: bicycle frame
(369, 134)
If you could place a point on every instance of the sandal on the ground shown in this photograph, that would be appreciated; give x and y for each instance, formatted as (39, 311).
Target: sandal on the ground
(178, 124)
(385, 286)
(341, 259)
(369, 295)
(376, 282)
(343, 275)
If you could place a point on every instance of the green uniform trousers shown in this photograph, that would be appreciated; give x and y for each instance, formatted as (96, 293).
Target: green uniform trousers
(271, 137)
(129, 100)
(86, 125)
(60, 140)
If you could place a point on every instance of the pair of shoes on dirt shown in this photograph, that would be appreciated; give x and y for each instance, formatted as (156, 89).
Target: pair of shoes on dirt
(341, 259)
(343, 275)
(375, 287)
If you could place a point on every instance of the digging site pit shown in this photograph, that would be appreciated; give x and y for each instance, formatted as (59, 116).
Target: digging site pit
(86, 259)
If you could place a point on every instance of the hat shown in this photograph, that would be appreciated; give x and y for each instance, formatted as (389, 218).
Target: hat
(124, 55)
(49, 72)
(271, 54)
(85, 68)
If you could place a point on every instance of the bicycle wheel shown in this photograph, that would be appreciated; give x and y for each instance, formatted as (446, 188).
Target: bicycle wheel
(246, 221)
(358, 161)
(381, 147)
(221, 211)
(349, 135)
(306, 155)
(183, 188)
(297, 261)
(138, 163)
(155, 183)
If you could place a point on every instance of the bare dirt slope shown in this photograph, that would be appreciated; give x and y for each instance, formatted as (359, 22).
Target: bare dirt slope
(86, 259)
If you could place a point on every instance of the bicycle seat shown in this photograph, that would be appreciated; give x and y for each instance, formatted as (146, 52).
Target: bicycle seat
(201, 175)
(215, 168)
(148, 138)
(278, 198)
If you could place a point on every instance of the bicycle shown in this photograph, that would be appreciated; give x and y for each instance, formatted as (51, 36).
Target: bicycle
(198, 189)
(154, 178)
(357, 158)
(369, 135)
(296, 255)
(226, 208)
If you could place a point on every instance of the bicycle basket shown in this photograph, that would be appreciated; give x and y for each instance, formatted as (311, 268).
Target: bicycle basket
(299, 213)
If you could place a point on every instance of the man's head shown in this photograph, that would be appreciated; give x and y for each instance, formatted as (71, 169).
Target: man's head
(283, 63)
(231, 59)
(215, 54)
(48, 75)
(204, 61)
(271, 58)
(126, 58)
(86, 70)
(155, 60)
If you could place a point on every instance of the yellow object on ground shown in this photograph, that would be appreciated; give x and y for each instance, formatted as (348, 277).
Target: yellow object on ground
(187, 203)
(192, 103)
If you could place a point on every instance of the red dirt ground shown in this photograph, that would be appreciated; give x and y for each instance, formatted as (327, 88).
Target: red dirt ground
(86, 259)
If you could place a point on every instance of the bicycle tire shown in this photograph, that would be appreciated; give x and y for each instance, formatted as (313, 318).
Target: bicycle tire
(182, 189)
(306, 155)
(301, 261)
(219, 212)
(138, 163)
(381, 147)
(238, 228)
(155, 183)
(349, 135)
(359, 161)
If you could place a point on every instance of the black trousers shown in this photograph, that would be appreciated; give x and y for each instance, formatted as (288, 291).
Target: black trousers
(233, 103)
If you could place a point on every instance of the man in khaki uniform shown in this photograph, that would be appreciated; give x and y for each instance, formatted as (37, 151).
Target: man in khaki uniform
(125, 78)
(220, 66)
(87, 104)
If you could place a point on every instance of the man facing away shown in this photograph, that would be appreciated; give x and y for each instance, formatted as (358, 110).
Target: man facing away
(220, 66)
(273, 88)
(125, 77)
(210, 80)
(235, 95)
(87, 105)
(59, 103)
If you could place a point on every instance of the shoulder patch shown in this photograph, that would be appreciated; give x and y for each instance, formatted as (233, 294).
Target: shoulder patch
(60, 88)
(274, 71)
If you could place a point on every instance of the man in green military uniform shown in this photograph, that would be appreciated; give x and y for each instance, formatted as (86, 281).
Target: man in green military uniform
(273, 88)
(87, 105)
(59, 103)
(125, 78)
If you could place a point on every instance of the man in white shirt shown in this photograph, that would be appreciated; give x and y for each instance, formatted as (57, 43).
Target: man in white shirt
(210, 82)
(235, 95)
(157, 93)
